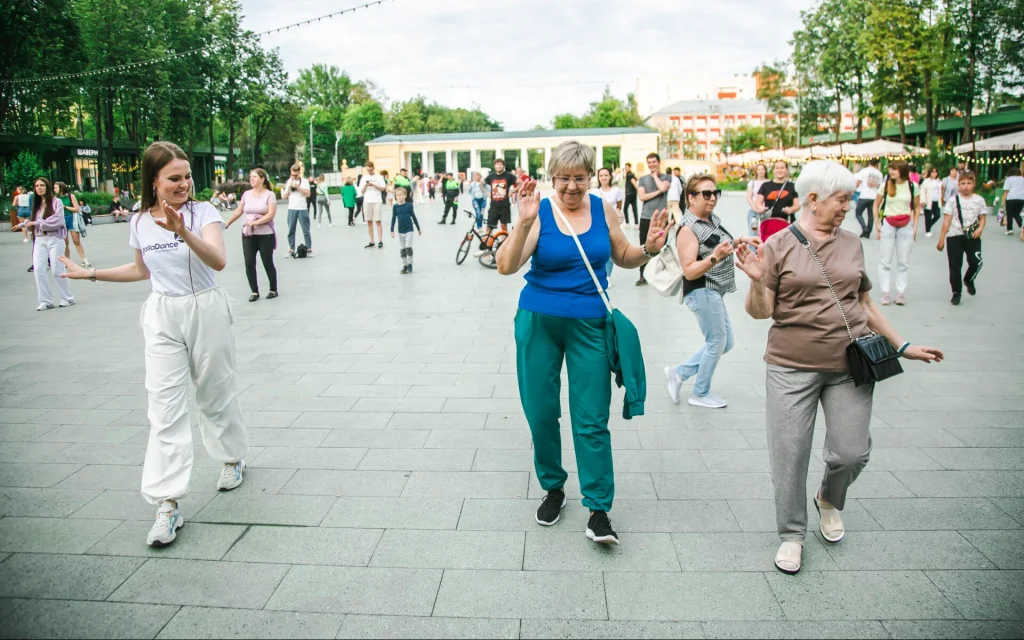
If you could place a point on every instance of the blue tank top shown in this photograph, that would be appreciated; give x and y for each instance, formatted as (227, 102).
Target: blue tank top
(558, 283)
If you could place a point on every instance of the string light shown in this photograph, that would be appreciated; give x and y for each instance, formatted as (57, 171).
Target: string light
(181, 54)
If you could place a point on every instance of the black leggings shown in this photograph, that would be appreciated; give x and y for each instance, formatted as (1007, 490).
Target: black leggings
(931, 216)
(645, 225)
(264, 245)
(630, 204)
(450, 203)
(311, 202)
(1013, 211)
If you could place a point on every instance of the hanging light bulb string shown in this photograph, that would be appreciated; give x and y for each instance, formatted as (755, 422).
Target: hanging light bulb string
(182, 54)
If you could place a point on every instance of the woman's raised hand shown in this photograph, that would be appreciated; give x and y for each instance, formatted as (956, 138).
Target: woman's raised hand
(657, 234)
(74, 271)
(529, 202)
(172, 220)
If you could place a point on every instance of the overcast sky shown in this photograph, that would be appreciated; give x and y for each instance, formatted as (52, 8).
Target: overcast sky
(524, 61)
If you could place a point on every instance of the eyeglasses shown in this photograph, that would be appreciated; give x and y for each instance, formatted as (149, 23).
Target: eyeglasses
(707, 193)
(579, 181)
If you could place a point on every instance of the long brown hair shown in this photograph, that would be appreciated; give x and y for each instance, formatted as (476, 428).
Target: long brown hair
(47, 199)
(904, 169)
(157, 156)
(266, 179)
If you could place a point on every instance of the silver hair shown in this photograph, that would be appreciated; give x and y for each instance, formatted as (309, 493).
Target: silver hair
(572, 156)
(824, 178)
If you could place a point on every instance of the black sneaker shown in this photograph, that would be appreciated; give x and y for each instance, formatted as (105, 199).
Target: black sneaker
(410, 269)
(641, 282)
(599, 528)
(380, 245)
(271, 295)
(404, 270)
(369, 246)
(550, 508)
(970, 288)
(32, 269)
(442, 221)
(955, 300)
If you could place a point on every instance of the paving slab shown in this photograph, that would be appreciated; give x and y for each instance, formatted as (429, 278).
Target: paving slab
(796, 629)
(394, 513)
(952, 629)
(867, 595)
(305, 545)
(374, 590)
(981, 595)
(46, 503)
(69, 577)
(196, 541)
(521, 594)
(196, 582)
(608, 629)
(917, 514)
(304, 511)
(81, 619)
(51, 535)
(449, 549)
(690, 596)
(360, 626)
(207, 622)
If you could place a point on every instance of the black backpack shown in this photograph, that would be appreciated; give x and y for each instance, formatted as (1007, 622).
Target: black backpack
(300, 251)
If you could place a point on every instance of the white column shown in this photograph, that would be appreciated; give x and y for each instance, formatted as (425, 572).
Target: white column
(600, 156)
(499, 153)
(524, 159)
(547, 161)
(423, 163)
(447, 160)
(474, 158)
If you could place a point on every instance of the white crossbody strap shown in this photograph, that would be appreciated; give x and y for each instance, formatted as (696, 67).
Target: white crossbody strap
(586, 261)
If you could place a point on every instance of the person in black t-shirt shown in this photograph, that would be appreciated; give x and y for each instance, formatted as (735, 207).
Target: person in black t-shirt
(778, 197)
(630, 189)
(502, 184)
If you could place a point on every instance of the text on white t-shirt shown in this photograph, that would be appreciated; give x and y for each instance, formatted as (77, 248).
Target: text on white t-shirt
(173, 270)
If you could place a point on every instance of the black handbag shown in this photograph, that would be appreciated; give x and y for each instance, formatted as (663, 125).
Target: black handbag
(871, 358)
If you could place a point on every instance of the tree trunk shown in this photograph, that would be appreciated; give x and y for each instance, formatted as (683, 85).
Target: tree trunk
(839, 113)
(81, 120)
(109, 126)
(972, 62)
(929, 107)
(879, 123)
(213, 171)
(903, 123)
(98, 120)
(860, 109)
(229, 170)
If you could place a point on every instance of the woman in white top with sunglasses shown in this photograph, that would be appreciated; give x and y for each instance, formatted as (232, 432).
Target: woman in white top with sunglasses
(186, 322)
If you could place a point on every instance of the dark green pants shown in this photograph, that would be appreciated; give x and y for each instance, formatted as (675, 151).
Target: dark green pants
(542, 343)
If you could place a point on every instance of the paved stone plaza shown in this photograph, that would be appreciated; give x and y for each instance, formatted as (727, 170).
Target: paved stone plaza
(390, 489)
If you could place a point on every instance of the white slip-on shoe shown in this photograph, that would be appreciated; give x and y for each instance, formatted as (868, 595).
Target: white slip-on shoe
(44, 307)
(66, 303)
(708, 402)
(831, 525)
(673, 383)
(788, 557)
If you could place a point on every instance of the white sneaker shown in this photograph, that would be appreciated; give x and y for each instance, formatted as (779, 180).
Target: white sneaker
(44, 307)
(66, 303)
(86, 263)
(331, 224)
(479, 253)
(928, 234)
(165, 529)
(708, 402)
(230, 476)
(24, 239)
(319, 225)
(1008, 233)
(673, 382)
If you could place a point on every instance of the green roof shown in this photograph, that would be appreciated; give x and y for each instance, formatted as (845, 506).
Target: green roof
(508, 135)
(983, 121)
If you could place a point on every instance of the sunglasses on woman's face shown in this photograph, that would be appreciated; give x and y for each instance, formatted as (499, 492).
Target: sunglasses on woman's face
(707, 193)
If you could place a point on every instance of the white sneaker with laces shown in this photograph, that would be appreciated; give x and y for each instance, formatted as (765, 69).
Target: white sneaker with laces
(708, 402)
(66, 303)
(673, 382)
(479, 253)
(165, 529)
(86, 263)
(928, 234)
(231, 476)
(44, 307)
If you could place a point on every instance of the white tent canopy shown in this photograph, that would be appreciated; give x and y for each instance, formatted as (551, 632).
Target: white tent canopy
(880, 148)
(1008, 142)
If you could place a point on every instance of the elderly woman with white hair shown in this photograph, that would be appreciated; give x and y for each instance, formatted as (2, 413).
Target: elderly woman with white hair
(562, 317)
(815, 316)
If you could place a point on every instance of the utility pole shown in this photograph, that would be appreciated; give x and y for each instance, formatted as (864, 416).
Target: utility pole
(312, 156)
(337, 139)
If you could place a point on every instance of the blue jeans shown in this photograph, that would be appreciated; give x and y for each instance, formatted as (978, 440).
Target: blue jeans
(714, 323)
(302, 217)
(478, 207)
(753, 221)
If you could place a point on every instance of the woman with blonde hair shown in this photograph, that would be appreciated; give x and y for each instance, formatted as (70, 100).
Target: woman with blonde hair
(562, 317)
(896, 214)
(186, 322)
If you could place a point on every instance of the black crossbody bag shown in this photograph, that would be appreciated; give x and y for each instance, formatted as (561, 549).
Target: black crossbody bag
(871, 358)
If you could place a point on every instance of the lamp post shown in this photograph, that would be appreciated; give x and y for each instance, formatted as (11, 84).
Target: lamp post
(312, 157)
(337, 139)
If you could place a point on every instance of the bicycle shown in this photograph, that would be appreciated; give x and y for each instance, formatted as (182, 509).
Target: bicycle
(492, 242)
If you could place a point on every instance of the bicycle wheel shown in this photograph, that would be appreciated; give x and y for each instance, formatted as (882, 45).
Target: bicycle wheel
(467, 244)
(489, 257)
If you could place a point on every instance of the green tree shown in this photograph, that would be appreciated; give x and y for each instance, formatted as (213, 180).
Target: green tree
(22, 170)
(607, 112)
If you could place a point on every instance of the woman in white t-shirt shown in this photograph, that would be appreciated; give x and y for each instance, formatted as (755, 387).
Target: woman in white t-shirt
(613, 197)
(1013, 200)
(931, 198)
(186, 323)
(753, 186)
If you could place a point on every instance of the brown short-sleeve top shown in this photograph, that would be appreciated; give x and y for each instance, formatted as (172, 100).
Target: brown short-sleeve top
(808, 332)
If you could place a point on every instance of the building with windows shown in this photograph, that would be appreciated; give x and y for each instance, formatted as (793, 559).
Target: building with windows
(460, 152)
(74, 160)
(707, 123)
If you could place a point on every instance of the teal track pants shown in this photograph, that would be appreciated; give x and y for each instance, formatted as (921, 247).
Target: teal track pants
(542, 343)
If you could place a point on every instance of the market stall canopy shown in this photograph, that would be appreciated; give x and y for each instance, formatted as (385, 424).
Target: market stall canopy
(882, 148)
(1008, 142)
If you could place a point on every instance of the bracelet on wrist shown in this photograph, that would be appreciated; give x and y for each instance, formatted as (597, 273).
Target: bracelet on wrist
(902, 348)
(649, 254)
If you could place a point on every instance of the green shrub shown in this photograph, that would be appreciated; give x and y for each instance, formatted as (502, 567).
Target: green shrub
(204, 195)
(333, 191)
(22, 170)
(731, 184)
(95, 198)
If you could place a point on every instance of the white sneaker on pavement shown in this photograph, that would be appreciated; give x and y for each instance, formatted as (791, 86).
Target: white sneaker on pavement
(66, 303)
(708, 402)
(43, 307)
(231, 476)
(479, 253)
(165, 529)
(673, 382)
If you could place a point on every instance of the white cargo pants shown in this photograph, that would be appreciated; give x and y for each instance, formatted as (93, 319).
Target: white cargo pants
(189, 337)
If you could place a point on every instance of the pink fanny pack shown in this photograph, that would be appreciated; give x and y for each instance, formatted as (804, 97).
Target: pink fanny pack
(898, 221)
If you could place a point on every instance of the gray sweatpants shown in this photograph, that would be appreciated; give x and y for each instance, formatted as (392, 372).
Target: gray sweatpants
(792, 404)
(405, 244)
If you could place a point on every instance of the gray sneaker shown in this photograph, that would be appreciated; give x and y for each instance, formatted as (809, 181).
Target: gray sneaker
(708, 402)
(165, 529)
(673, 383)
(231, 476)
